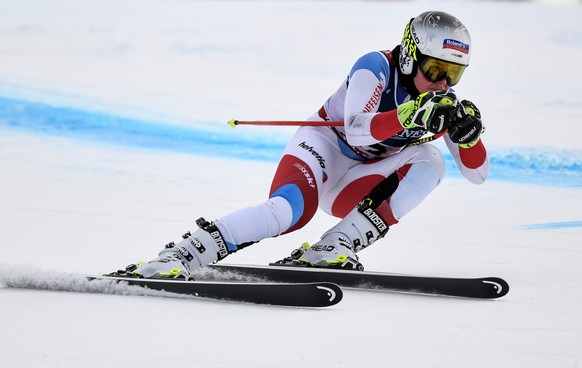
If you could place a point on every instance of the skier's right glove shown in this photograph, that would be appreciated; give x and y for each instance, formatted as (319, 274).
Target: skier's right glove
(433, 111)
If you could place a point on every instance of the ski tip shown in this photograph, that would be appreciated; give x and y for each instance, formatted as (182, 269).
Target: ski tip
(499, 286)
(331, 293)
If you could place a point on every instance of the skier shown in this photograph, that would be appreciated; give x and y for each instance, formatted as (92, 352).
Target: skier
(370, 172)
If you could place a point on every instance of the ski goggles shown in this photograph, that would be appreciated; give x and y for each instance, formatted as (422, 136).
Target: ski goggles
(436, 70)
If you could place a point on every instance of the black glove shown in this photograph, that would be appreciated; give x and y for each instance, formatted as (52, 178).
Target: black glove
(433, 111)
(467, 125)
(444, 114)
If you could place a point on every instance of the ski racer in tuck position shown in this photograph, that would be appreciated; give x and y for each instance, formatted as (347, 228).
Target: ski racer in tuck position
(367, 172)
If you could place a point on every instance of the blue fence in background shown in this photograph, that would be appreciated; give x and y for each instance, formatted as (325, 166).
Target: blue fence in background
(536, 165)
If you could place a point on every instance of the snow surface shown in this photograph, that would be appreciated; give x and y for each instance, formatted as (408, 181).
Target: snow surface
(112, 121)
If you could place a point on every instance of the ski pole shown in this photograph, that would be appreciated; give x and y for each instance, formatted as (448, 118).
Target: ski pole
(430, 138)
(234, 122)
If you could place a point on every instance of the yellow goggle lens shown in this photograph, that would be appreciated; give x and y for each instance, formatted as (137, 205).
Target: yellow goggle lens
(435, 70)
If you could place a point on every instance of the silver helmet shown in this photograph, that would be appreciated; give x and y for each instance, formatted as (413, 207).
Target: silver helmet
(438, 43)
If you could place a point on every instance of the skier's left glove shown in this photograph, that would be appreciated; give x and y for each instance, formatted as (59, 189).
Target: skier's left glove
(467, 125)
(433, 111)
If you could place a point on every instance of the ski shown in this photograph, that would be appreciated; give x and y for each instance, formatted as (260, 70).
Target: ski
(482, 288)
(312, 294)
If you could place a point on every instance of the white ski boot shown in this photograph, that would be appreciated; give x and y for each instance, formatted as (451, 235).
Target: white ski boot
(204, 246)
(338, 246)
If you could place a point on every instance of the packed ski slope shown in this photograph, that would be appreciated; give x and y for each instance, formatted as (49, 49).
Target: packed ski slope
(113, 141)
